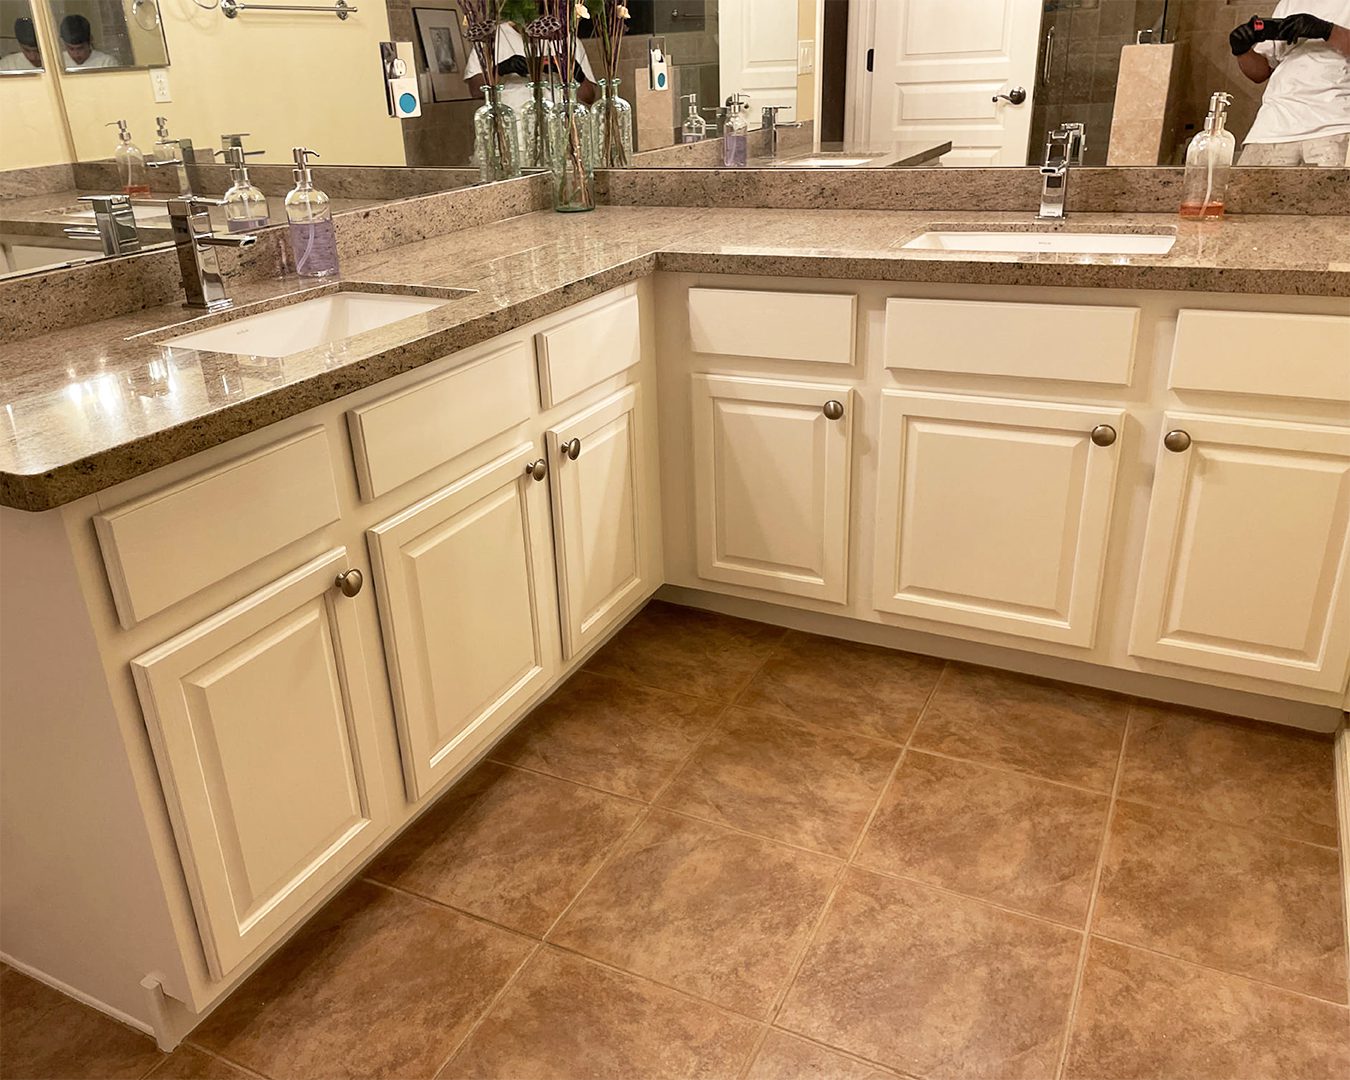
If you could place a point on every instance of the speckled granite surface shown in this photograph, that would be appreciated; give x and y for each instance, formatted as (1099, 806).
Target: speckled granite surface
(86, 408)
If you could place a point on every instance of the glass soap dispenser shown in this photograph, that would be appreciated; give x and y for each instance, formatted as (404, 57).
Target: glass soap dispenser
(1208, 160)
(736, 138)
(130, 161)
(695, 128)
(313, 241)
(245, 205)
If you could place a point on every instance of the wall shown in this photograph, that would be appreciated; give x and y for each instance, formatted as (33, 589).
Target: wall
(32, 132)
(807, 14)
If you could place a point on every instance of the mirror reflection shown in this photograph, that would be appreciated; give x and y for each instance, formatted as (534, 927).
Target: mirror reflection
(98, 35)
(20, 53)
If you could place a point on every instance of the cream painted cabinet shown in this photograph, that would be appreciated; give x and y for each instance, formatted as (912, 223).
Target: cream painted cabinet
(464, 580)
(1247, 551)
(263, 734)
(771, 483)
(602, 502)
(994, 513)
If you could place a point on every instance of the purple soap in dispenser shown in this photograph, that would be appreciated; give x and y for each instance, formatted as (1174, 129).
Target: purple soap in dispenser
(313, 241)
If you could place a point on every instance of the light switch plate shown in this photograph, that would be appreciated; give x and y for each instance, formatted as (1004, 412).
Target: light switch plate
(806, 57)
(159, 83)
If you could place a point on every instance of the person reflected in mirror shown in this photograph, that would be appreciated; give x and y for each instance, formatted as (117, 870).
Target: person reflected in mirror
(514, 74)
(29, 56)
(77, 38)
(1302, 55)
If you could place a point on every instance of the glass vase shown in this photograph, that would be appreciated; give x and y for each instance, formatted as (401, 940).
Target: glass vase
(612, 127)
(537, 146)
(496, 138)
(574, 155)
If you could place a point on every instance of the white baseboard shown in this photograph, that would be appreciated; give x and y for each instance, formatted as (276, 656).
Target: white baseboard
(1343, 809)
(78, 995)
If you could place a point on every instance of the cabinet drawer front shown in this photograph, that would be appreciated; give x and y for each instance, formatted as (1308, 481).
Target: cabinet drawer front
(409, 433)
(588, 349)
(773, 325)
(1246, 565)
(994, 514)
(264, 736)
(1029, 341)
(163, 548)
(470, 618)
(1261, 352)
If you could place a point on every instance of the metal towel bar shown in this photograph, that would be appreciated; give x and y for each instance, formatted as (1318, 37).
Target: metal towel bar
(341, 9)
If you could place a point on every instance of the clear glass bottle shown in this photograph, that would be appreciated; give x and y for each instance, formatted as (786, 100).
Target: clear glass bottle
(130, 162)
(695, 128)
(1208, 161)
(313, 240)
(574, 175)
(496, 137)
(245, 206)
(612, 127)
(536, 146)
(736, 139)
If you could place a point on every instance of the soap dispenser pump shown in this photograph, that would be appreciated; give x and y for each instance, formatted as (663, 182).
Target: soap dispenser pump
(736, 138)
(313, 241)
(695, 128)
(245, 205)
(1208, 160)
(130, 161)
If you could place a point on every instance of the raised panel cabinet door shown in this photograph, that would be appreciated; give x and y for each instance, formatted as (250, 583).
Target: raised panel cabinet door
(994, 513)
(1247, 552)
(464, 581)
(601, 500)
(771, 484)
(263, 733)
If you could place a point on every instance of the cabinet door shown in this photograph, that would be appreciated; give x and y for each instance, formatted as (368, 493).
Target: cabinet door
(994, 513)
(263, 733)
(464, 582)
(1248, 551)
(771, 484)
(598, 476)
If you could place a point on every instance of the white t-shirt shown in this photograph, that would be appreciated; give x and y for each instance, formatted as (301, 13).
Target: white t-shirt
(97, 59)
(1308, 93)
(511, 43)
(16, 61)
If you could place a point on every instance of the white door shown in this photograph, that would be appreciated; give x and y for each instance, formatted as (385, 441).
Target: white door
(771, 483)
(1248, 551)
(263, 733)
(995, 514)
(757, 53)
(464, 580)
(936, 66)
(598, 475)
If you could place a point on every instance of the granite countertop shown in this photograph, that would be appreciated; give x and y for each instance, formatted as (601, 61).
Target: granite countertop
(89, 407)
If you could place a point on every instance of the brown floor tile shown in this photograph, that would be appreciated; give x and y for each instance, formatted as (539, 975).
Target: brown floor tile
(1145, 1017)
(612, 735)
(686, 650)
(189, 1063)
(511, 846)
(1220, 895)
(935, 985)
(1253, 774)
(377, 985)
(566, 1018)
(786, 1057)
(843, 685)
(45, 1035)
(1053, 730)
(785, 780)
(695, 906)
(1009, 839)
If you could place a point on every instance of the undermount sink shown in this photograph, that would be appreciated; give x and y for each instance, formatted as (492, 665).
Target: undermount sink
(1072, 243)
(308, 324)
(824, 161)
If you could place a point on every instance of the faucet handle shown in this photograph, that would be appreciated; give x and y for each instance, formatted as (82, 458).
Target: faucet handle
(104, 204)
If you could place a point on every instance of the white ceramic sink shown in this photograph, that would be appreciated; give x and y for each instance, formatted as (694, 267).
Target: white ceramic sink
(823, 162)
(1074, 243)
(307, 325)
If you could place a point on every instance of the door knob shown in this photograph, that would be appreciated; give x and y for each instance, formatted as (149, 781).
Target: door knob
(537, 470)
(350, 582)
(572, 448)
(1015, 96)
(1177, 441)
(1103, 435)
(833, 410)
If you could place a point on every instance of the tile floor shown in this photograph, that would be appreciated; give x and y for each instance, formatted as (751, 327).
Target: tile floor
(724, 850)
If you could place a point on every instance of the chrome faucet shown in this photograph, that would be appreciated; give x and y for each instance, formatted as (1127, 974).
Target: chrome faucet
(203, 281)
(172, 153)
(769, 122)
(114, 224)
(1063, 147)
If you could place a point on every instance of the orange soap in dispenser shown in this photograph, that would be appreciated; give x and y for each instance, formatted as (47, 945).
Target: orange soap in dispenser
(130, 161)
(1208, 160)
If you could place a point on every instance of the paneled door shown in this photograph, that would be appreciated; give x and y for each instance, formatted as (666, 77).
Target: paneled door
(757, 53)
(771, 483)
(264, 737)
(464, 580)
(937, 65)
(1247, 553)
(601, 499)
(994, 513)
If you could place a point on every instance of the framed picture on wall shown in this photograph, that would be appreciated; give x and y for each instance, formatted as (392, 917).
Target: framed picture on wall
(440, 31)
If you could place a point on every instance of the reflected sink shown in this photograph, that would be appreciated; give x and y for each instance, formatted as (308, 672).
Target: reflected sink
(308, 324)
(824, 162)
(1073, 243)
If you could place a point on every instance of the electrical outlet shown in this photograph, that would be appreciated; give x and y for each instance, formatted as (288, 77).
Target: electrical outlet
(159, 83)
(806, 57)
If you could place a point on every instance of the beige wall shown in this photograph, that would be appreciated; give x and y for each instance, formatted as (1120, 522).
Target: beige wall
(31, 130)
(807, 14)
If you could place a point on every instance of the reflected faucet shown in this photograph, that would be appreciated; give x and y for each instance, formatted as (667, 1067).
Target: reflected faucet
(1063, 147)
(172, 153)
(203, 281)
(114, 224)
(769, 122)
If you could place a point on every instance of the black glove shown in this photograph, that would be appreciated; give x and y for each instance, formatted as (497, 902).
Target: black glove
(1294, 28)
(1249, 33)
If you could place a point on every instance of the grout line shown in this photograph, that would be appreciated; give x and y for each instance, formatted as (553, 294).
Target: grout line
(1008, 770)
(436, 902)
(487, 1011)
(817, 725)
(218, 1057)
(852, 1055)
(634, 799)
(624, 681)
(775, 841)
(1081, 969)
(609, 858)
(1238, 825)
